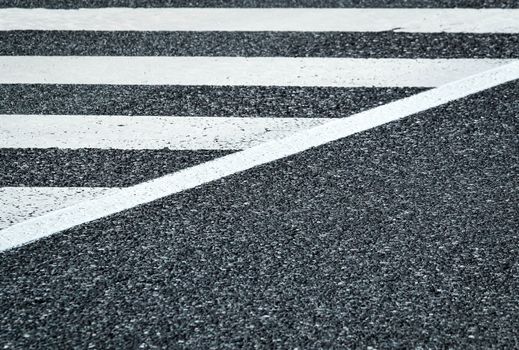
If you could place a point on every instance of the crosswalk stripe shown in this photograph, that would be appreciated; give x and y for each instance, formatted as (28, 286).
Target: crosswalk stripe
(271, 19)
(18, 204)
(259, 44)
(75, 4)
(245, 71)
(148, 132)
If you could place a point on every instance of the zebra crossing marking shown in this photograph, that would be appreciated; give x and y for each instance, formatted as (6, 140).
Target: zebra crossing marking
(145, 132)
(146, 192)
(265, 19)
(239, 71)
(29, 132)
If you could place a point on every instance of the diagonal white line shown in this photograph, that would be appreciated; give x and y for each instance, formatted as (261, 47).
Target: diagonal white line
(130, 197)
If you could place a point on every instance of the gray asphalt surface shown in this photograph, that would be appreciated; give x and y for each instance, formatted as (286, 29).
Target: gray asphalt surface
(261, 3)
(176, 100)
(87, 167)
(269, 44)
(404, 236)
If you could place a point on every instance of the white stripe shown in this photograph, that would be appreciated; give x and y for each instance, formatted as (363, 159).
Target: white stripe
(260, 71)
(235, 19)
(130, 197)
(143, 132)
(18, 204)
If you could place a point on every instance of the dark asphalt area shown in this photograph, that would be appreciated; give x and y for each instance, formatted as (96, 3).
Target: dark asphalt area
(403, 236)
(88, 167)
(262, 3)
(256, 44)
(197, 100)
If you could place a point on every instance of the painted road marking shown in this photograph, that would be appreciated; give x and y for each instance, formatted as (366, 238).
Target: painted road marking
(146, 192)
(265, 19)
(145, 132)
(243, 71)
(18, 204)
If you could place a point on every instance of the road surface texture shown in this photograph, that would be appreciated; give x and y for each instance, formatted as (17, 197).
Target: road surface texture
(399, 231)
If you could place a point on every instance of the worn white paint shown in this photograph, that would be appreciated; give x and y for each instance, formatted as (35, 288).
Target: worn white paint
(264, 19)
(250, 71)
(130, 197)
(145, 132)
(18, 204)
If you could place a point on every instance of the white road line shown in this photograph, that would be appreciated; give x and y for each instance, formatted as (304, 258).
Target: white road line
(18, 204)
(145, 132)
(146, 192)
(235, 19)
(250, 71)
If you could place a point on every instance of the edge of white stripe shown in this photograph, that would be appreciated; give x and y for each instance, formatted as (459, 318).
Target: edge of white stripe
(18, 204)
(149, 191)
(274, 19)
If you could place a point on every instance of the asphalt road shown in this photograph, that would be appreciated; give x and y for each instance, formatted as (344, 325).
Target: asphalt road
(261, 44)
(401, 236)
